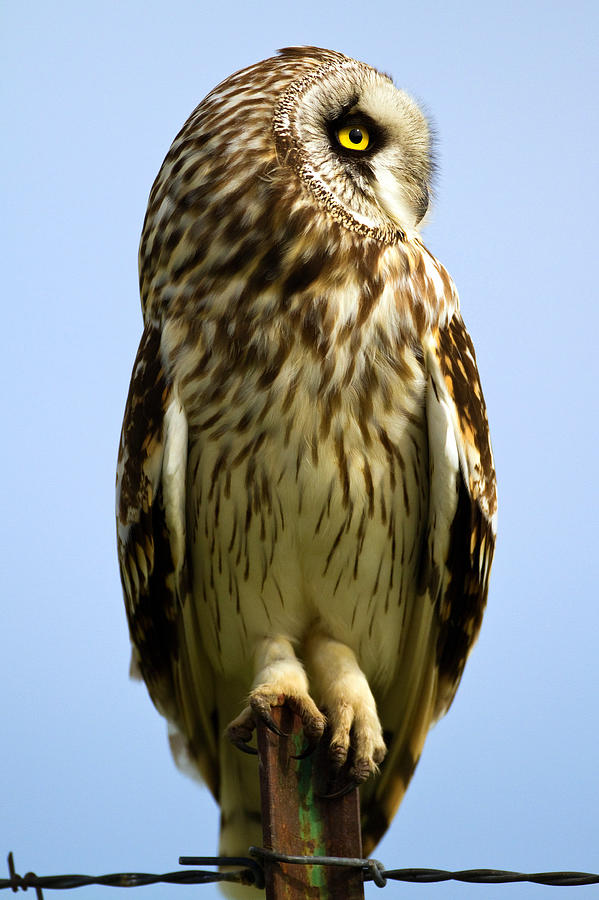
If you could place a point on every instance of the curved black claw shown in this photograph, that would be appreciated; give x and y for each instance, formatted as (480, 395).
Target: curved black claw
(341, 792)
(245, 748)
(270, 723)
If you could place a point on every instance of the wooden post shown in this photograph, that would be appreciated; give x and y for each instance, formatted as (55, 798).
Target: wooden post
(296, 821)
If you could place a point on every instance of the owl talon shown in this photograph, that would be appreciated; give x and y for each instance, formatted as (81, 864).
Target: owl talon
(341, 792)
(245, 748)
(270, 723)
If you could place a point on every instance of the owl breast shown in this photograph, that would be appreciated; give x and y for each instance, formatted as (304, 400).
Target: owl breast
(308, 491)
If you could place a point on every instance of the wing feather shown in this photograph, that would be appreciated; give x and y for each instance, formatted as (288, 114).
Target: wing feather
(151, 537)
(465, 559)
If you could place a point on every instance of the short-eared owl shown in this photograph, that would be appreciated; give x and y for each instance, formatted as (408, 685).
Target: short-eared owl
(306, 494)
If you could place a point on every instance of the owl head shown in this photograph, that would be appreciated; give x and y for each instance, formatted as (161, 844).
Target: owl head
(307, 150)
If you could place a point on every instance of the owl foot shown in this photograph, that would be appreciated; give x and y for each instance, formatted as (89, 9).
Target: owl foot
(280, 680)
(354, 726)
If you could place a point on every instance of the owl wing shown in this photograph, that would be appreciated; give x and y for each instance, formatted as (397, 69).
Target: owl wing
(456, 560)
(151, 538)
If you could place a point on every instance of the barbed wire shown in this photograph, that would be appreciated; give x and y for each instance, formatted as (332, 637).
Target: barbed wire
(252, 872)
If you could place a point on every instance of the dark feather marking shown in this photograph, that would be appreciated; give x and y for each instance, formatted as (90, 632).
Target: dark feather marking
(349, 372)
(298, 461)
(273, 367)
(262, 524)
(372, 285)
(290, 393)
(243, 453)
(273, 545)
(331, 405)
(326, 507)
(233, 533)
(276, 584)
(265, 492)
(264, 577)
(334, 546)
(218, 465)
(337, 583)
(301, 276)
(389, 450)
(216, 508)
(209, 422)
(378, 573)
(216, 608)
(402, 466)
(313, 334)
(359, 542)
(245, 421)
(248, 516)
(281, 513)
(383, 506)
(350, 515)
(391, 532)
(342, 465)
(268, 269)
(250, 469)
(314, 448)
(320, 518)
(369, 487)
(371, 625)
(211, 563)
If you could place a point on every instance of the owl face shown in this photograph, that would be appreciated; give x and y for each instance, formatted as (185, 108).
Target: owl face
(358, 143)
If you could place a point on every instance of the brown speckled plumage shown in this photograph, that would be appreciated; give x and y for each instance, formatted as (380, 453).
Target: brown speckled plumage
(306, 494)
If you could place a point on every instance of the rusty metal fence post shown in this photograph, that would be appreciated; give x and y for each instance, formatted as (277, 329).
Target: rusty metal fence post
(298, 821)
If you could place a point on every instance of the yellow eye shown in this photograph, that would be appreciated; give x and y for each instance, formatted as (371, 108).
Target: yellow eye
(353, 137)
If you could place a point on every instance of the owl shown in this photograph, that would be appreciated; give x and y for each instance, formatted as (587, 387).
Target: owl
(305, 491)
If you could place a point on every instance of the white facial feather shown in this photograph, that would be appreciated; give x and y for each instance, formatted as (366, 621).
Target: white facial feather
(396, 192)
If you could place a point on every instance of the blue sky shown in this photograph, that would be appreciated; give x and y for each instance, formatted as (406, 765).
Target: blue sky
(93, 94)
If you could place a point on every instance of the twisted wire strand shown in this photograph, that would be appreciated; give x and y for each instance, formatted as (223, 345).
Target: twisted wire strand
(250, 871)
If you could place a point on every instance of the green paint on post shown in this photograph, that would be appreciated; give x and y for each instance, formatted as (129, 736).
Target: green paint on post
(310, 821)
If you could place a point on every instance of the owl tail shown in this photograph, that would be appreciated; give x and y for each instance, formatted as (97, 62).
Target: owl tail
(201, 750)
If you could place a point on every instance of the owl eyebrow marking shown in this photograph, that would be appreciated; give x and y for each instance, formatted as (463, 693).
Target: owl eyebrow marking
(345, 109)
